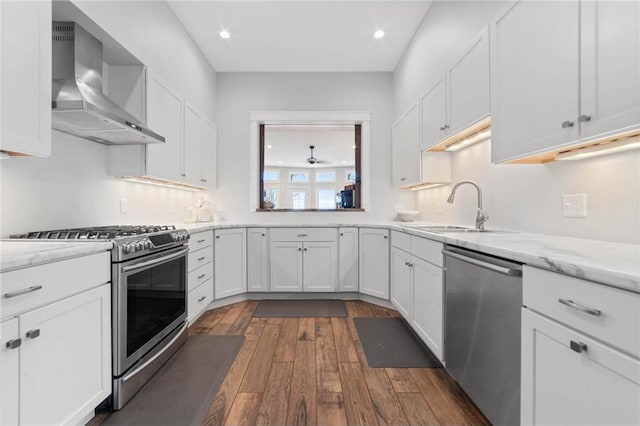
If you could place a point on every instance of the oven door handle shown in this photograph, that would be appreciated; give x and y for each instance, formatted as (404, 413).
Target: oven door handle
(148, 263)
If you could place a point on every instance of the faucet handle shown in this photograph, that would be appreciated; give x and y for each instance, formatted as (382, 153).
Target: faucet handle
(481, 218)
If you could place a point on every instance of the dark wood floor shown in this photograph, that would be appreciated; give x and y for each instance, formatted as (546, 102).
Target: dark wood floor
(312, 371)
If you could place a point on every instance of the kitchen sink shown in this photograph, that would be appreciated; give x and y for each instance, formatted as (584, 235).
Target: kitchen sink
(461, 229)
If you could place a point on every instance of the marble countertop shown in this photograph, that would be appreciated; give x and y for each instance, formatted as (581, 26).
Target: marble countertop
(615, 264)
(18, 254)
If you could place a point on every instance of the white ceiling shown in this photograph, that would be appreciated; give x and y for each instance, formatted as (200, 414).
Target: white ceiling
(301, 35)
(290, 146)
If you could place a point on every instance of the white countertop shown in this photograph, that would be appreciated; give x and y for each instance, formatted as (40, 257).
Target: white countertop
(18, 254)
(605, 262)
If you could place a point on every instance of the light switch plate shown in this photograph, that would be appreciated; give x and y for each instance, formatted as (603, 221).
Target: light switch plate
(574, 205)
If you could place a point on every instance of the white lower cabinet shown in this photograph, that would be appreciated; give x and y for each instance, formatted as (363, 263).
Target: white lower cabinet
(401, 281)
(10, 372)
(348, 261)
(571, 379)
(257, 260)
(427, 300)
(230, 262)
(319, 266)
(199, 298)
(374, 262)
(286, 266)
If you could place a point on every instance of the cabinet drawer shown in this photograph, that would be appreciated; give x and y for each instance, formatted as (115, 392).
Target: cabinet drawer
(200, 275)
(304, 234)
(28, 288)
(617, 323)
(199, 298)
(427, 249)
(199, 258)
(200, 240)
(401, 240)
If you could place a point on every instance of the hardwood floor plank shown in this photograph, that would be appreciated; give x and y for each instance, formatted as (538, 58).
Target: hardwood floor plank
(244, 410)
(345, 348)
(307, 329)
(327, 371)
(254, 329)
(205, 323)
(438, 397)
(275, 321)
(353, 308)
(302, 400)
(358, 406)
(469, 409)
(401, 380)
(258, 371)
(331, 410)
(232, 313)
(273, 409)
(286, 349)
(243, 320)
(227, 392)
(417, 410)
(219, 329)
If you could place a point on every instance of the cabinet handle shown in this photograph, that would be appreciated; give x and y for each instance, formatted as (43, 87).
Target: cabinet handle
(32, 334)
(299, 248)
(200, 259)
(263, 234)
(302, 235)
(305, 249)
(406, 263)
(203, 180)
(14, 343)
(442, 128)
(446, 126)
(386, 236)
(581, 308)
(201, 241)
(217, 237)
(202, 298)
(578, 347)
(183, 174)
(584, 118)
(342, 234)
(23, 291)
(566, 124)
(201, 276)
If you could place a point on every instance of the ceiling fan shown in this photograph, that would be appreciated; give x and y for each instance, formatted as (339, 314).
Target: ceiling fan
(313, 160)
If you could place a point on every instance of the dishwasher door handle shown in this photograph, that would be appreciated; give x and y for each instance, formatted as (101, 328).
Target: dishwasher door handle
(512, 272)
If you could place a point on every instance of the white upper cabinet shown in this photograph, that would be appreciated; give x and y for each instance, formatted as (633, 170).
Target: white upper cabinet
(25, 77)
(460, 98)
(164, 114)
(563, 72)
(193, 145)
(210, 155)
(406, 148)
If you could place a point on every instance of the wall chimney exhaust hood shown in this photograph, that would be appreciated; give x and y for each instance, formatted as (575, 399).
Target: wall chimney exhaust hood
(79, 106)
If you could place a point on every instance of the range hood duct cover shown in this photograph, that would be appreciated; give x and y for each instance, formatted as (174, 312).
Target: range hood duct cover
(79, 107)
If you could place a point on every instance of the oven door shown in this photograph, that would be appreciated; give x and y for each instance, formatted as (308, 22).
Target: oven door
(150, 300)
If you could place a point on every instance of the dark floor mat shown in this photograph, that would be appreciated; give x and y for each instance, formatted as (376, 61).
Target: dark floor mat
(388, 343)
(182, 391)
(300, 309)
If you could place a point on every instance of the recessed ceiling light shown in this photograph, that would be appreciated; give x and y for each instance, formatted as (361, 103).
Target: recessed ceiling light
(378, 34)
(269, 146)
(225, 34)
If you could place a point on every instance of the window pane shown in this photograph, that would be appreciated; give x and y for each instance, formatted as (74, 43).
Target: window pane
(271, 195)
(351, 176)
(298, 199)
(271, 176)
(325, 176)
(298, 177)
(326, 199)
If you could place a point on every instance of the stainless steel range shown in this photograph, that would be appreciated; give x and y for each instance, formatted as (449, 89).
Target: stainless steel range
(149, 298)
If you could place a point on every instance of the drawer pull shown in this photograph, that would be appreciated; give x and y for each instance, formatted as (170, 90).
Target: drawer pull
(202, 298)
(201, 241)
(574, 305)
(201, 276)
(200, 259)
(32, 334)
(23, 291)
(14, 343)
(578, 347)
(302, 235)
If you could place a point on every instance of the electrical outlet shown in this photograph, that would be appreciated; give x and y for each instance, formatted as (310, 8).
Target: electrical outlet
(124, 206)
(574, 205)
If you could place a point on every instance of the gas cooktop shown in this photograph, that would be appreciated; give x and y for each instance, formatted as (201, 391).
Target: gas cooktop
(95, 233)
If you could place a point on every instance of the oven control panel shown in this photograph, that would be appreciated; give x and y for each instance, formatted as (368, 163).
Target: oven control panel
(135, 246)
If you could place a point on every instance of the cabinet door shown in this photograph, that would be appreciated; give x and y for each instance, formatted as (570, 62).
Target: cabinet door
(610, 66)
(9, 371)
(257, 257)
(210, 155)
(401, 281)
(534, 78)
(319, 266)
(596, 386)
(286, 266)
(397, 154)
(348, 263)
(193, 145)
(427, 299)
(65, 370)
(164, 116)
(433, 115)
(374, 262)
(25, 77)
(230, 262)
(468, 85)
(411, 147)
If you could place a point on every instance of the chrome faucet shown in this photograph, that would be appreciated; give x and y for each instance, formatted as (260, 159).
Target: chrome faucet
(481, 217)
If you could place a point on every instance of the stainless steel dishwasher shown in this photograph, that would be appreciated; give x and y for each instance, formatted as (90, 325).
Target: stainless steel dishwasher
(482, 330)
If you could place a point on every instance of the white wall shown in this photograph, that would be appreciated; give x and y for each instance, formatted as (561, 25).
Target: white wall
(240, 93)
(71, 188)
(517, 197)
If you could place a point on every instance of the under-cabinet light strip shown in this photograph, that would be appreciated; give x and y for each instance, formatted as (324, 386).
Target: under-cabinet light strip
(601, 148)
(163, 183)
